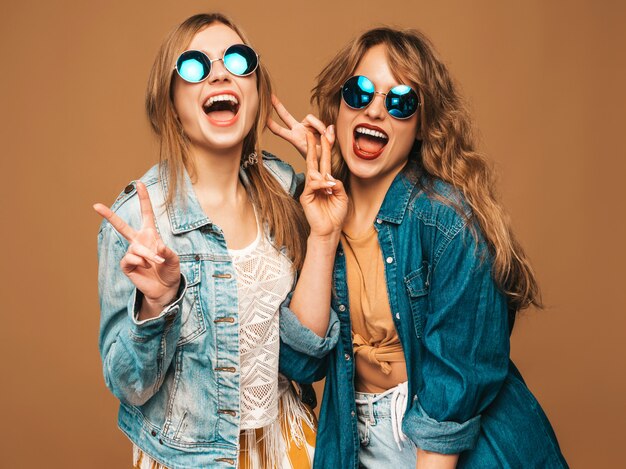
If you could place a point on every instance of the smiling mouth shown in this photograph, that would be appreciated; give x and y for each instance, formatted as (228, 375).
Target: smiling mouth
(221, 108)
(369, 143)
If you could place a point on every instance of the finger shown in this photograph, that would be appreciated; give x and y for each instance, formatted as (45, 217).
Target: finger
(120, 225)
(277, 129)
(143, 251)
(317, 185)
(147, 214)
(339, 190)
(131, 261)
(315, 176)
(312, 163)
(314, 122)
(330, 134)
(325, 166)
(282, 112)
(171, 258)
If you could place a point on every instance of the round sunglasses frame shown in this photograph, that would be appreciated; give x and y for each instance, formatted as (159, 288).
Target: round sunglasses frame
(374, 93)
(210, 61)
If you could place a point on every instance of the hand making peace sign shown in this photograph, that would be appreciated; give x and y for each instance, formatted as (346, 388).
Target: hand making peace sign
(296, 132)
(324, 198)
(152, 267)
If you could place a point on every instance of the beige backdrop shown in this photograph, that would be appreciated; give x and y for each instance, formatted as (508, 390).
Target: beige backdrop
(544, 80)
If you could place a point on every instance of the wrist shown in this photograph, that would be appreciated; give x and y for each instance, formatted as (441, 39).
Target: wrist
(164, 300)
(329, 240)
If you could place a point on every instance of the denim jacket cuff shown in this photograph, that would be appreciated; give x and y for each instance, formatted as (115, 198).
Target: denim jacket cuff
(304, 340)
(445, 437)
(166, 315)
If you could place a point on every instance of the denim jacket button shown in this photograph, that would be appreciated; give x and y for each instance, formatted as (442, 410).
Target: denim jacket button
(153, 433)
(389, 260)
(347, 355)
(352, 413)
(397, 315)
(129, 188)
(197, 257)
(379, 221)
(342, 308)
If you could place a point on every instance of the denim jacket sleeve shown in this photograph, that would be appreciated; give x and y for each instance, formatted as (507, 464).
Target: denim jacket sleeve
(465, 352)
(135, 354)
(303, 353)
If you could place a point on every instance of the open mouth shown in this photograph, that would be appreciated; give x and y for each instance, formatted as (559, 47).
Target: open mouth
(369, 141)
(221, 108)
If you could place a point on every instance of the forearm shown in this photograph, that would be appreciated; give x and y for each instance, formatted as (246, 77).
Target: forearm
(430, 460)
(311, 298)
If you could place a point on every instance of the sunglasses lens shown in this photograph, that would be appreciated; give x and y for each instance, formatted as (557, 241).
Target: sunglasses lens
(193, 66)
(402, 102)
(240, 60)
(357, 92)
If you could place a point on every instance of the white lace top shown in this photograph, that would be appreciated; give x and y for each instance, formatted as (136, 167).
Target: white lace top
(264, 278)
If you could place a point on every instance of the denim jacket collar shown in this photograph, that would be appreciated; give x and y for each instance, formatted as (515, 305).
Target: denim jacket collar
(399, 193)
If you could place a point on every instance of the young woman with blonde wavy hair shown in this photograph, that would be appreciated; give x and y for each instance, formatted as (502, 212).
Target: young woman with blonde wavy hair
(197, 267)
(427, 279)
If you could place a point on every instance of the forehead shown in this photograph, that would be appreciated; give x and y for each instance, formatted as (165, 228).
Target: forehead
(375, 65)
(214, 39)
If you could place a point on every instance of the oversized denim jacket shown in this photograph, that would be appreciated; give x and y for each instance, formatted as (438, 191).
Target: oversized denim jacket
(177, 375)
(465, 395)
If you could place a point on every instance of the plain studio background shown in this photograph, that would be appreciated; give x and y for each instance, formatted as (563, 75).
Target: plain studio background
(544, 81)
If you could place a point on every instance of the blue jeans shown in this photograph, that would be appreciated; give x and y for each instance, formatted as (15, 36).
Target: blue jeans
(379, 448)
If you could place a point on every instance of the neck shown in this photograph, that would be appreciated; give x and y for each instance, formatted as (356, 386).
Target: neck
(216, 177)
(366, 198)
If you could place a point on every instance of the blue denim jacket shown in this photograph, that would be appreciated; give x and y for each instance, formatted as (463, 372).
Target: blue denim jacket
(177, 375)
(466, 396)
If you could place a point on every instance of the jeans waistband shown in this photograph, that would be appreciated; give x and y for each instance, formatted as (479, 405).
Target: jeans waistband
(391, 403)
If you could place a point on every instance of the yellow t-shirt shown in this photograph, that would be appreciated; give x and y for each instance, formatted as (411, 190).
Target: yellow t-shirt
(378, 355)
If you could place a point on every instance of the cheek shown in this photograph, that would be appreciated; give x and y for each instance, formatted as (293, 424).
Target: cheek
(252, 104)
(183, 104)
(406, 135)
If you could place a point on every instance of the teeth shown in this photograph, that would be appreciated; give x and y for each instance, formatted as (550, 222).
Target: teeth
(373, 133)
(221, 97)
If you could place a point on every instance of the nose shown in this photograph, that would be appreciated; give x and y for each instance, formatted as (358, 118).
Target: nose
(376, 109)
(218, 71)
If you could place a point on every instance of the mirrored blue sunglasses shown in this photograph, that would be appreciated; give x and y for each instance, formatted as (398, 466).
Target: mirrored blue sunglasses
(401, 101)
(194, 66)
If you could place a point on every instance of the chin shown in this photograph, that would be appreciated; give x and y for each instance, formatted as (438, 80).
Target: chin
(363, 169)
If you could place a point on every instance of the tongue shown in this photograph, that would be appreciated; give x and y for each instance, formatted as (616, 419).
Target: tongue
(369, 144)
(224, 115)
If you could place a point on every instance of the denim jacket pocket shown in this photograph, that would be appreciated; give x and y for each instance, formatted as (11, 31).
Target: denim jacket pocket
(193, 324)
(417, 287)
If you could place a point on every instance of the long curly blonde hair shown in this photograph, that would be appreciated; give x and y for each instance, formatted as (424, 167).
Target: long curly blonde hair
(282, 214)
(448, 145)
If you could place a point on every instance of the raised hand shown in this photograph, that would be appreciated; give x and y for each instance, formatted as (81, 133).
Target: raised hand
(152, 267)
(296, 132)
(324, 198)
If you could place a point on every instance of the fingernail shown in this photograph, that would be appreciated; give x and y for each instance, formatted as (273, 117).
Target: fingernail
(331, 183)
(329, 177)
(331, 131)
(158, 259)
(329, 191)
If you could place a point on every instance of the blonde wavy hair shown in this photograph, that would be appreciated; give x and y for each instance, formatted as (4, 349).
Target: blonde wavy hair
(282, 214)
(448, 146)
